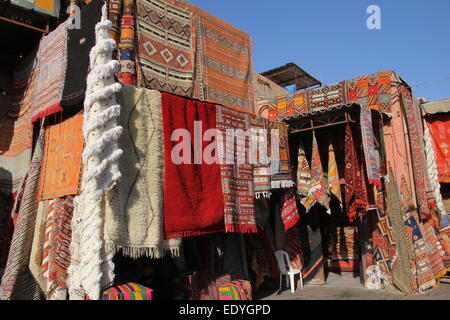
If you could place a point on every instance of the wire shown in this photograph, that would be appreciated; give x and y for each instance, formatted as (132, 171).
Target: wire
(429, 82)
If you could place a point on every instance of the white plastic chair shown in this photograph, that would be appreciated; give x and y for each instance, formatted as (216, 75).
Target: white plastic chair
(283, 260)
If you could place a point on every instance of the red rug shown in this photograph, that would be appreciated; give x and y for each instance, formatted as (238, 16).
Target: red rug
(193, 199)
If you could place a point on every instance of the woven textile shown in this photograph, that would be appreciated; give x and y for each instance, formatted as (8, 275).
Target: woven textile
(303, 172)
(287, 106)
(236, 172)
(205, 286)
(334, 184)
(289, 211)
(61, 166)
(403, 276)
(199, 206)
(236, 290)
(440, 132)
(100, 159)
(55, 250)
(327, 96)
(51, 66)
(79, 44)
(166, 37)
(355, 196)
(261, 175)
(47, 7)
(127, 74)
(280, 165)
(37, 249)
(114, 13)
(224, 63)
(435, 250)
(127, 291)
(417, 152)
(17, 281)
(368, 143)
(16, 130)
(134, 207)
(344, 248)
(318, 189)
(425, 275)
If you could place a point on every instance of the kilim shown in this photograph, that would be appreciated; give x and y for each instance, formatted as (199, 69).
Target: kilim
(261, 175)
(127, 74)
(439, 126)
(280, 165)
(289, 211)
(18, 282)
(318, 189)
(435, 250)
(236, 171)
(373, 91)
(344, 248)
(355, 197)
(134, 206)
(403, 277)
(50, 71)
(56, 253)
(425, 276)
(224, 63)
(127, 291)
(114, 13)
(61, 166)
(16, 130)
(166, 37)
(303, 172)
(417, 153)
(47, 7)
(334, 184)
(236, 290)
(368, 144)
(79, 44)
(327, 96)
(199, 206)
(287, 106)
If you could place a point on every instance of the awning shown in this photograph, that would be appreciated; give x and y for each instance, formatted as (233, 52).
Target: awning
(438, 106)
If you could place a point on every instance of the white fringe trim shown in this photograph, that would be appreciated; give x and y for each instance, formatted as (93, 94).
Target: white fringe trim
(264, 194)
(136, 252)
(282, 184)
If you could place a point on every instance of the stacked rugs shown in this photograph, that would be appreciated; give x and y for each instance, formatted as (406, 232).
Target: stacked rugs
(127, 291)
(236, 290)
(181, 48)
(344, 248)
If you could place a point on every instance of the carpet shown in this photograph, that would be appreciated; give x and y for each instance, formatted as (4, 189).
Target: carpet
(224, 63)
(114, 14)
(51, 66)
(334, 183)
(199, 207)
(166, 46)
(355, 194)
(293, 247)
(18, 282)
(318, 190)
(303, 172)
(368, 144)
(16, 130)
(236, 171)
(100, 160)
(289, 212)
(259, 142)
(439, 126)
(134, 206)
(79, 44)
(417, 152)
(373, 91)
(280, 165)
(61, 166)
(403, 277)
(126, 54)
(327, 96)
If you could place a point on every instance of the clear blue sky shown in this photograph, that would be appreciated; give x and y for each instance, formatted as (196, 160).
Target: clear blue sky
(330, 40)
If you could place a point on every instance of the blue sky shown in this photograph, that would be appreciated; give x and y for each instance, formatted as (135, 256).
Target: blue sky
(330, 39)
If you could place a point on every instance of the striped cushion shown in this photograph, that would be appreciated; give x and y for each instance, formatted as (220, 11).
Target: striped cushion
(127, 291)
(236, 290)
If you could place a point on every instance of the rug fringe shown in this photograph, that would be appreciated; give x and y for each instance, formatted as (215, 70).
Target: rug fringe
(264, 194)
(135, 252)
(281, 184)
